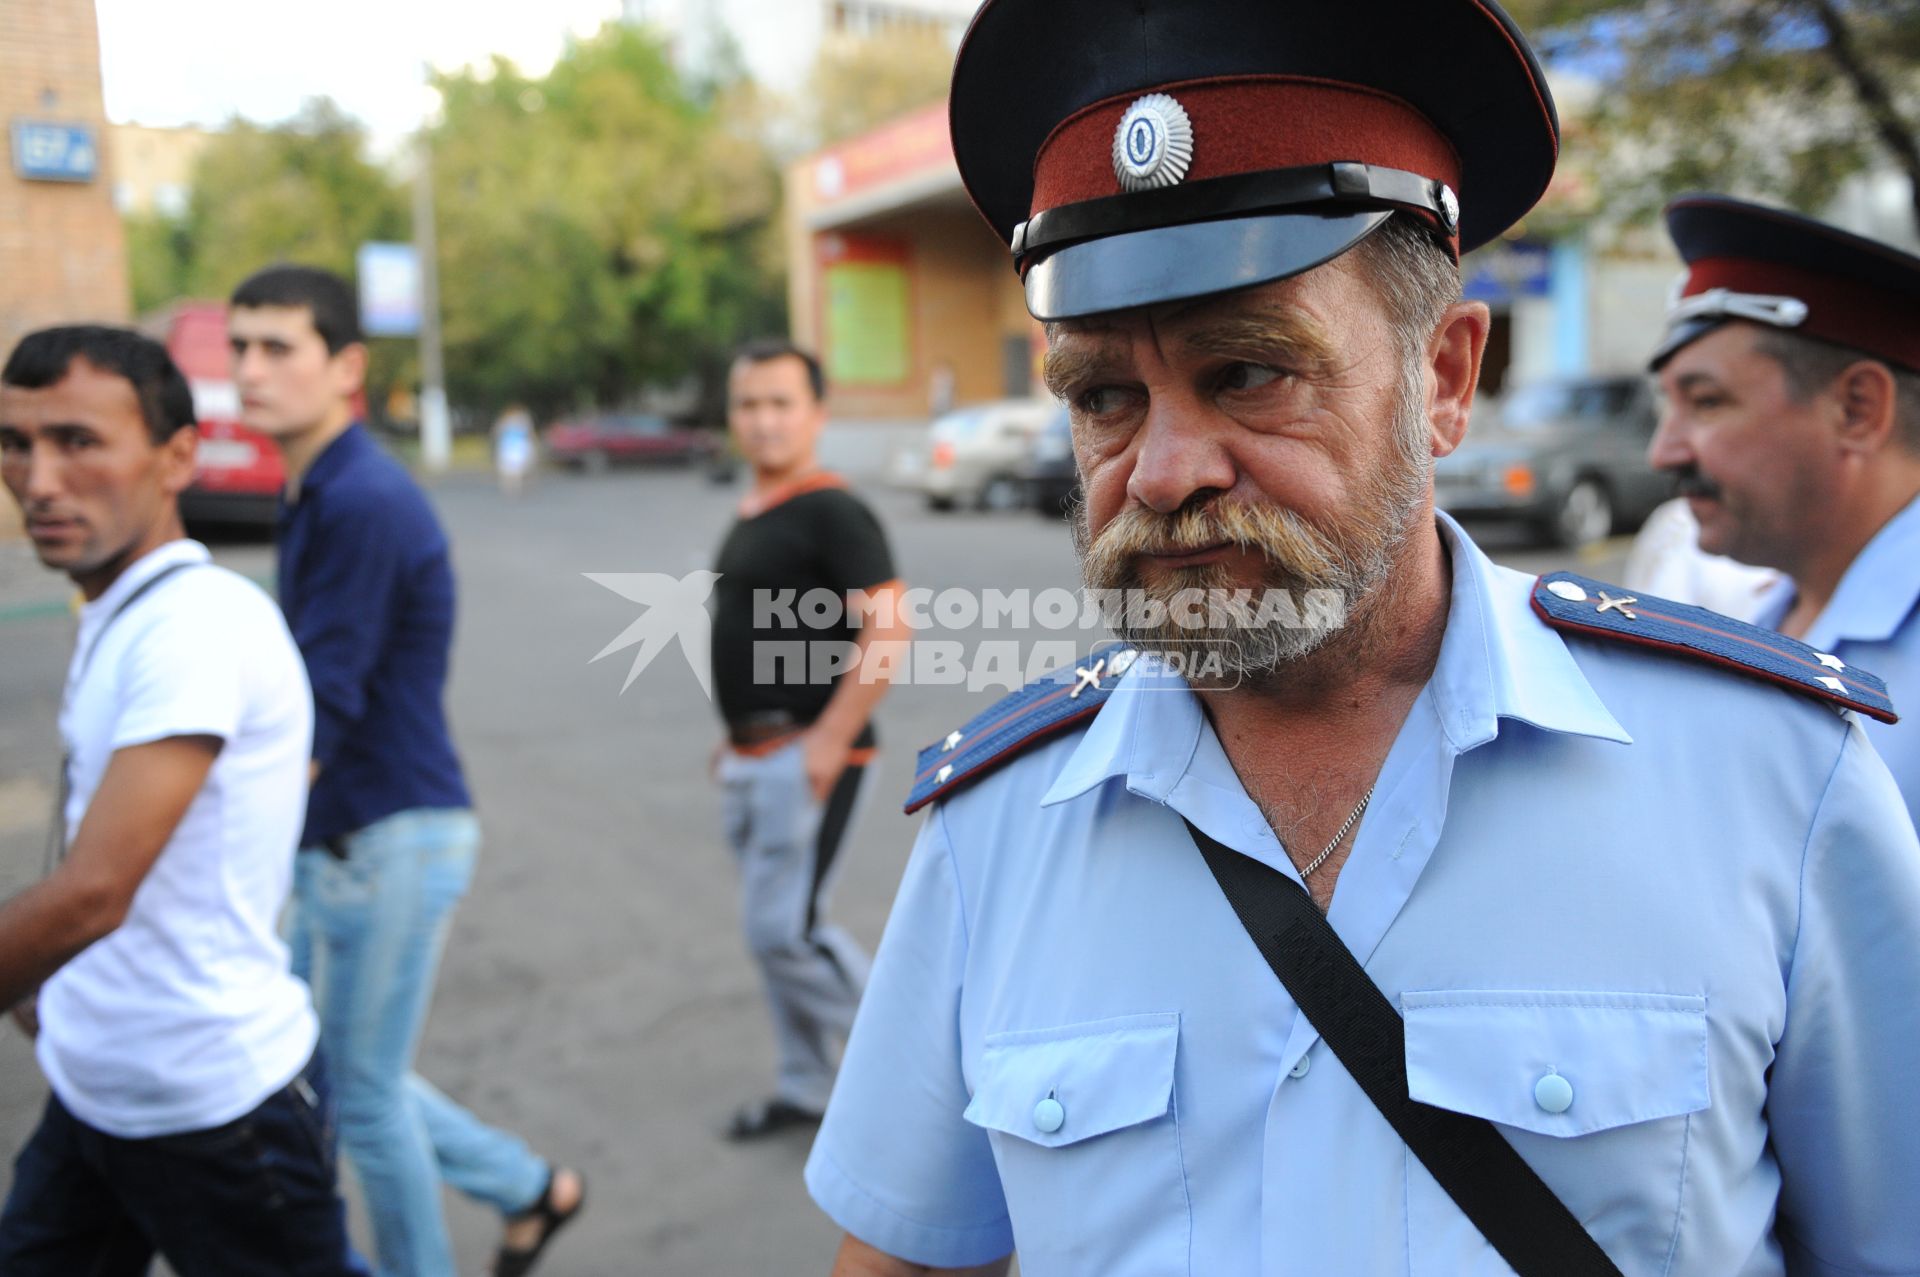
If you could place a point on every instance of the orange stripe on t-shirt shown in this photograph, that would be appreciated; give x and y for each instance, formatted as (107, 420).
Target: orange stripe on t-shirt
(755, 504)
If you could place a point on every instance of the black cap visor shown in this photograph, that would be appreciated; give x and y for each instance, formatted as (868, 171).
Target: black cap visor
(1681, 335)
(1196, 259)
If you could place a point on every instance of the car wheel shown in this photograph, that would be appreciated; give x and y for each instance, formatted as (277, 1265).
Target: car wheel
(594, 462)
(1002, 492)
(939, 503)
(1585, 515)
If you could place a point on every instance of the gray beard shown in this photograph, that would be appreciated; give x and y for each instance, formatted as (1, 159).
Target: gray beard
(1233, 651)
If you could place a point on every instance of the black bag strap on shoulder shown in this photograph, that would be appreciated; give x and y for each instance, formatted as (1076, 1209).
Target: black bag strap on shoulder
(57, 830)
(1514, 1210)
(139, 592)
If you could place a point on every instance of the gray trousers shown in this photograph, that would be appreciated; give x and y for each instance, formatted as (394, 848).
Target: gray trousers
(786, 844)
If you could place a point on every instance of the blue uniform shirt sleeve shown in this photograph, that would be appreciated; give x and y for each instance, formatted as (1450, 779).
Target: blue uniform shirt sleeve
(1843, 1109)
(347, 588)
(896, 1164)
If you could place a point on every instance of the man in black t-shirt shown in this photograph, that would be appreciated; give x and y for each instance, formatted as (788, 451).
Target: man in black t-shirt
(796, 695)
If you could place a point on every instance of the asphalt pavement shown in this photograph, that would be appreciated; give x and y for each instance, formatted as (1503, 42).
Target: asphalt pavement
(595, 996)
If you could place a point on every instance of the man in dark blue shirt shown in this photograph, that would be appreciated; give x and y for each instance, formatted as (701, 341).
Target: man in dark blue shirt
(390, 839)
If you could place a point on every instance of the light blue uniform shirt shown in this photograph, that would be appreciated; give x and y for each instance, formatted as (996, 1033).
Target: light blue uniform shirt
(1692, 896)
(1870, 622)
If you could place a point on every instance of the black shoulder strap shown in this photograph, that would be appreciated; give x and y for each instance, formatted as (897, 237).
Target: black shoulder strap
(1518, 1214)
(57, 831)
(139, 592)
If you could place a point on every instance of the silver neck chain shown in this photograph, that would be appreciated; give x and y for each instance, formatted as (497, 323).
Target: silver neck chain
(1340, 836)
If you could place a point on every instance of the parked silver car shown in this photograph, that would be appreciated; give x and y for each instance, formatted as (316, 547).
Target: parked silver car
(975, 456)
(1568, 457)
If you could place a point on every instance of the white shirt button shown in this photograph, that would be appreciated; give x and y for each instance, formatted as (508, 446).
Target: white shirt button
(1553, 1093)
(1049, 1115)
(1299, 1070)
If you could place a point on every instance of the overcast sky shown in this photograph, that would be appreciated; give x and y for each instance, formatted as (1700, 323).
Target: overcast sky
(202, 61)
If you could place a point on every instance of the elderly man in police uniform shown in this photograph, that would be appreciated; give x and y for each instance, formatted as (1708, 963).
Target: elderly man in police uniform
(1791, 366)
(1621, 930)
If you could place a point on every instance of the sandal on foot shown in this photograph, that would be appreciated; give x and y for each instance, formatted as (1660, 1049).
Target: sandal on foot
(518, 1263)
(769, 1117)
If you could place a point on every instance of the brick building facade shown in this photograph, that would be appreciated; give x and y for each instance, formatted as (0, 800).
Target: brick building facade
(63, 253)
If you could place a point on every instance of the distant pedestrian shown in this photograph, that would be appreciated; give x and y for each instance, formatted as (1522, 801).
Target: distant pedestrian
(796, 758)
(391, 839)
(513, 449)
(940, 389)
(191, 1113)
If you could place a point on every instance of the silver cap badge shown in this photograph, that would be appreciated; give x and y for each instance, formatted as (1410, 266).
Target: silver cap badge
(1154, 144)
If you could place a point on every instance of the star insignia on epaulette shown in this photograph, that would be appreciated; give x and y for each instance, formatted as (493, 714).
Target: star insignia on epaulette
(1037, 711)
(1575, 603)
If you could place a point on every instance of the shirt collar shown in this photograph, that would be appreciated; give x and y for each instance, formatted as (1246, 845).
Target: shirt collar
(1497, 661)
(142, 570)
(350, 443)
(1876, 594)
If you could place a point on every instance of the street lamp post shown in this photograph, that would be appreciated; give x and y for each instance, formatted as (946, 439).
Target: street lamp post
(436, 433)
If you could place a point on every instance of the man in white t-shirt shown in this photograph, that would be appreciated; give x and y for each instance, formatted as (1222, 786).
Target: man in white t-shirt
(190, 1114)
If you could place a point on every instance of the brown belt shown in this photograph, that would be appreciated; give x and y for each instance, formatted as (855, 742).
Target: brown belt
(763, 730)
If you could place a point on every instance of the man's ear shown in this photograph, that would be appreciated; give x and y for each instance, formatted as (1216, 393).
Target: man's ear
(349, 369)
(179, 459)
(1452, 371)
(1866, 398)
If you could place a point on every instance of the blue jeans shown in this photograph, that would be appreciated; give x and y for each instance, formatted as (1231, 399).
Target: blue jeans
(254, 1198)
(367, 933)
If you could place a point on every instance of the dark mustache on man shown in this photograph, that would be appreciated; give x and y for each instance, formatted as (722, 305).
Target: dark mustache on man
(1689, 482)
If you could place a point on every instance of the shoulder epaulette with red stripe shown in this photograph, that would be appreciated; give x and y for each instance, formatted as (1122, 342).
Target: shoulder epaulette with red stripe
(1581, 605)
(1042, 709)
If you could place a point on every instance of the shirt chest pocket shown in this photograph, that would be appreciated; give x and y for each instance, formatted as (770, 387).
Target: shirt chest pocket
(1594, 1090)
(1085, 1136)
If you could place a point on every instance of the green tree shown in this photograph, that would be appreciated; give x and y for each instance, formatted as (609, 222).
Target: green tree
(159, 259)
(602, 228)
(300, 191)
(859, 82)
(1781, 98)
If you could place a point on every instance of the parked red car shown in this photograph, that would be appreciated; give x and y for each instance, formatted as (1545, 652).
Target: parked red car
(594, 443)
(239, 478)
(240, 474)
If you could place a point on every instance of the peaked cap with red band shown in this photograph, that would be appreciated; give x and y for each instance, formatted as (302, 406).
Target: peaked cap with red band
(1141, 151)
(1773, 267)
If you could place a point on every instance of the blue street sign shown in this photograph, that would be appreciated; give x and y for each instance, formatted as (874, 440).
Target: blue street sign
(389, 290)
(1505, 271)
(45, 152)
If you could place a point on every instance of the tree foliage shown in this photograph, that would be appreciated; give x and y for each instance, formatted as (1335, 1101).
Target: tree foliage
(1773, 98)
(300, 191)
(303, 190)
(859, 83)
(601, 227)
